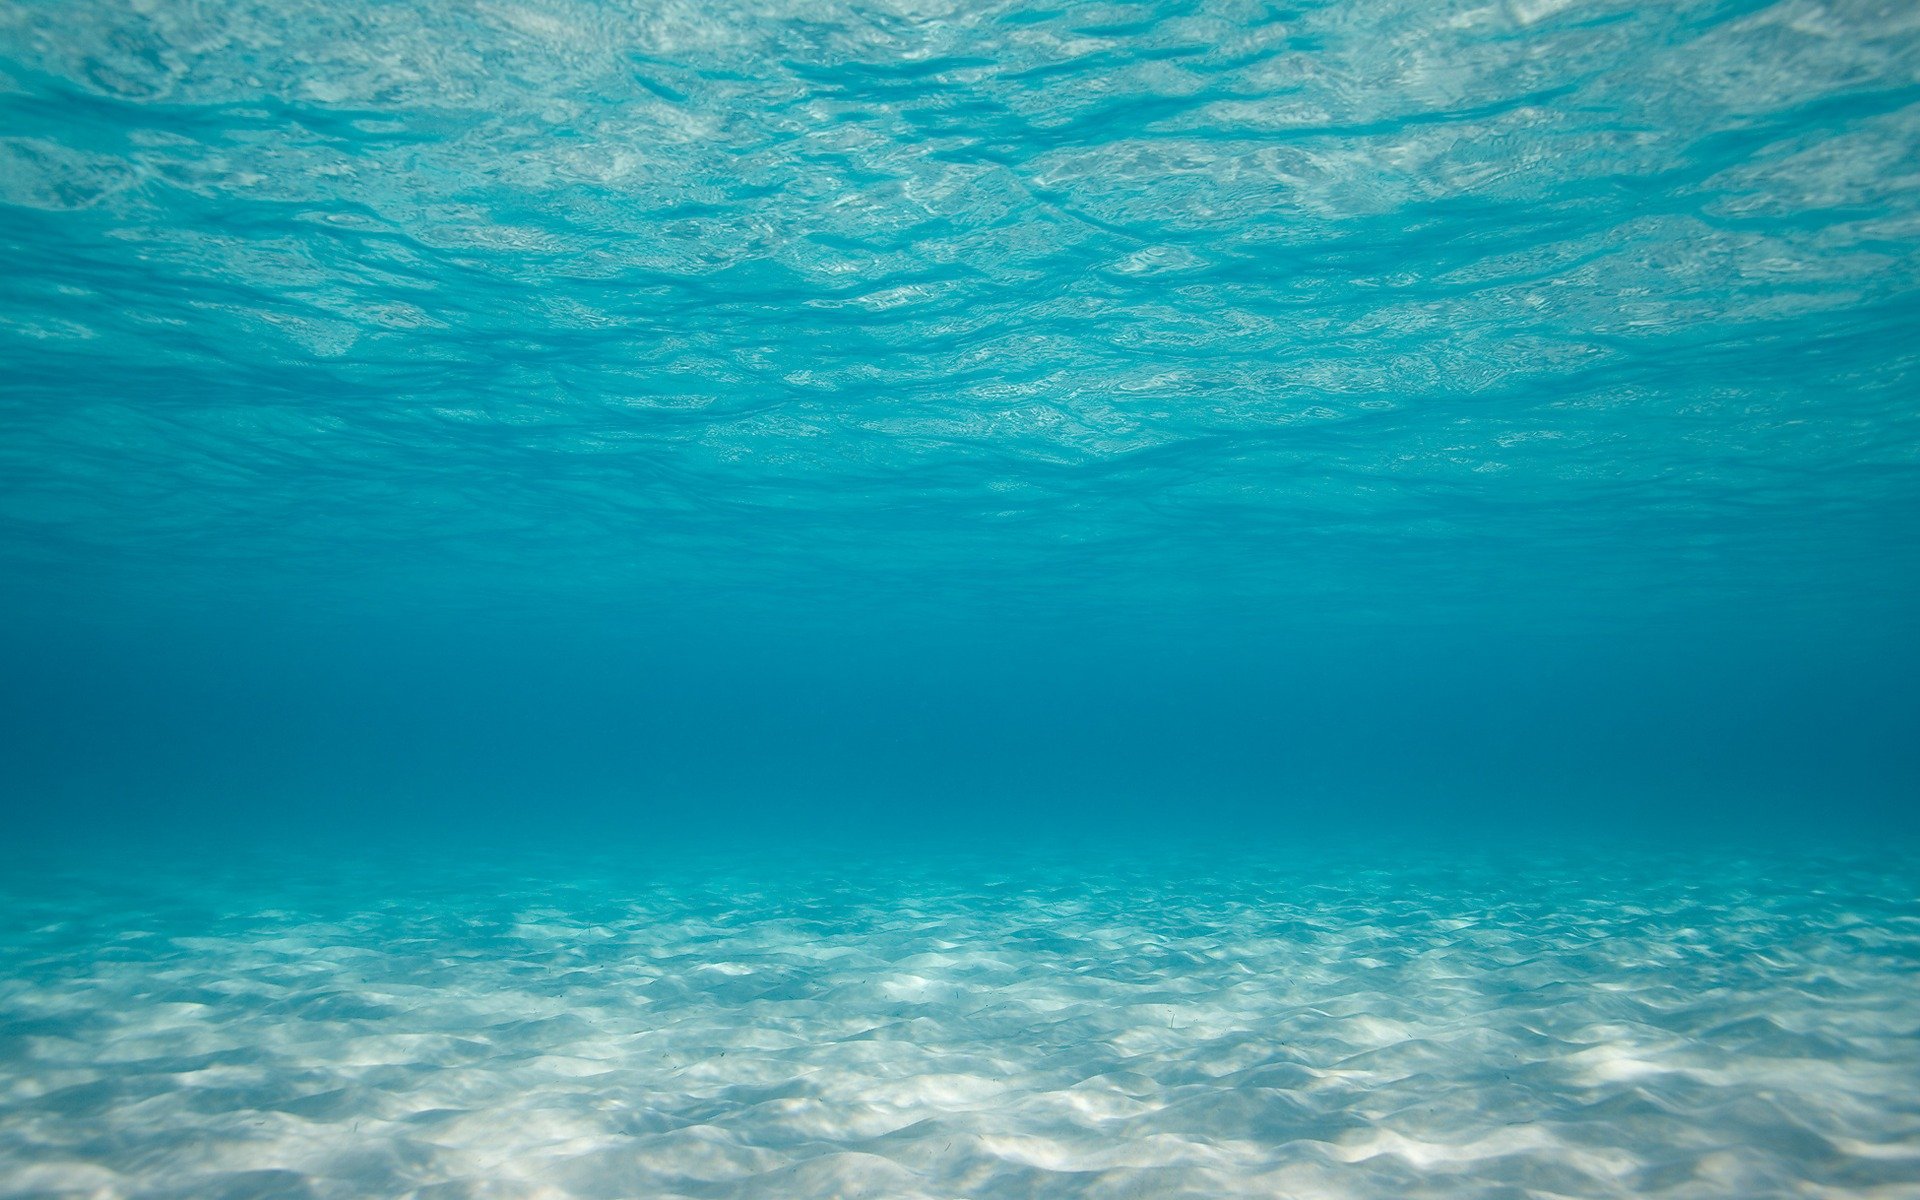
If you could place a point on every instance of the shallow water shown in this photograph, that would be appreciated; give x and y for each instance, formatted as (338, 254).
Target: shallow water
(1281, 1023)
(649, 598)
(1559, 315)
(865, 412)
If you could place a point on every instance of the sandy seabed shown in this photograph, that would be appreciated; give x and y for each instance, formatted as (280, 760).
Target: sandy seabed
(1652, 1024)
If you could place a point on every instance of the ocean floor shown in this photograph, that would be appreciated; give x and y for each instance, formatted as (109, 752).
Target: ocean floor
(1613, 1025)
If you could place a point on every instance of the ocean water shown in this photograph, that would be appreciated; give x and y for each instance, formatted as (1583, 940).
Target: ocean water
(1287, 1024)
(888, 598)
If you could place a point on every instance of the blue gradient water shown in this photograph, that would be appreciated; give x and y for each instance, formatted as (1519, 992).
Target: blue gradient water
(644, 599)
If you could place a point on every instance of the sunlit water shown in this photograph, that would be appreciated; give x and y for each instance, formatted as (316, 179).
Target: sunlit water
(1271, 1025)
(605, 598)
(1557, 312)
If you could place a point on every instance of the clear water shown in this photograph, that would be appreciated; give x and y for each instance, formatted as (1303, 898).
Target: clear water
(1141, 599)
(1291, 1025)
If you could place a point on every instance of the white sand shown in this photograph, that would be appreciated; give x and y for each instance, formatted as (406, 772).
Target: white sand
(1652, 1027)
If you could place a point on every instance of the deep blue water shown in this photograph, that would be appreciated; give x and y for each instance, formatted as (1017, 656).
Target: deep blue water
(1117, 599)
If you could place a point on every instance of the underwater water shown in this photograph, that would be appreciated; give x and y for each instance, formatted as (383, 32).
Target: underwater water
(628, 598)
(1290, 1024)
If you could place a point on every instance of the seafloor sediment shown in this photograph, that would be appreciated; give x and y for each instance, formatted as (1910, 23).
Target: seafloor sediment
(1642, 1025)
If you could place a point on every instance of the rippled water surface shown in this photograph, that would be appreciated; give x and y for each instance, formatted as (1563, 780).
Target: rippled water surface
(1236, 310)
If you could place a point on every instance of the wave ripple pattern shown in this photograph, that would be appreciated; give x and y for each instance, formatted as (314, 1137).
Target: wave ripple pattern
(1434, 303)
(1660, 1027)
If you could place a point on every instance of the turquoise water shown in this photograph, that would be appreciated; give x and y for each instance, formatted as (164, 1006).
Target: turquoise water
(726, 1024)
(907, 599)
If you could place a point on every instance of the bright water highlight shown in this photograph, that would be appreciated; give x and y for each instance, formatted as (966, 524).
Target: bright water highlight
(1303, 1025)
(1544, 312)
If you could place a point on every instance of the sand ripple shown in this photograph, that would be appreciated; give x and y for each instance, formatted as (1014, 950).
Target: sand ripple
(1650, 1026)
